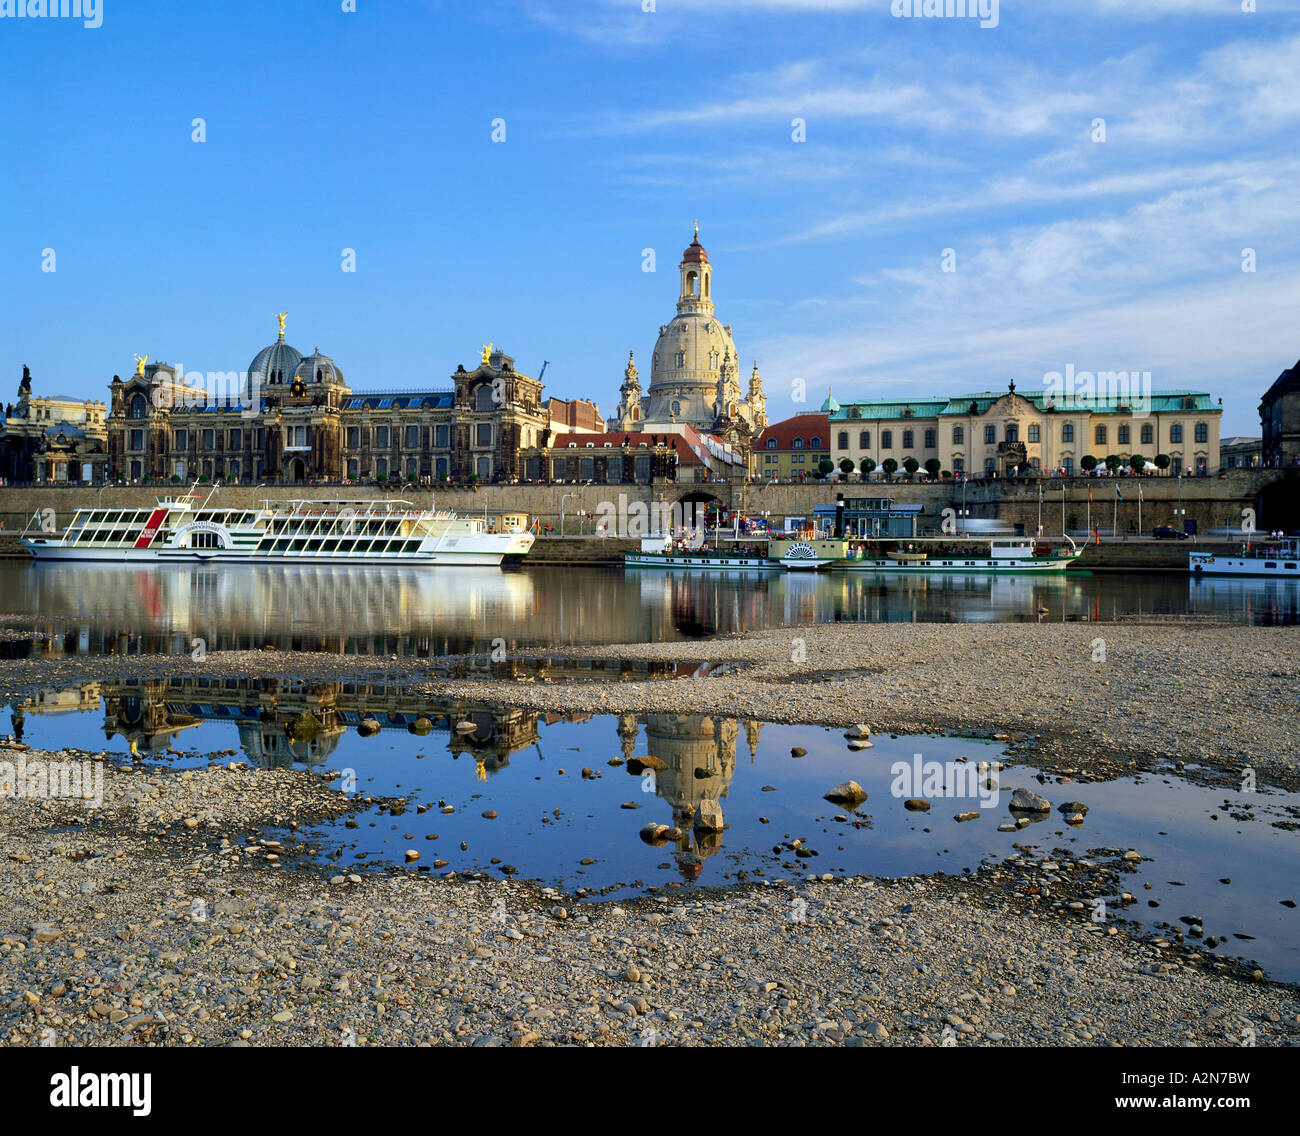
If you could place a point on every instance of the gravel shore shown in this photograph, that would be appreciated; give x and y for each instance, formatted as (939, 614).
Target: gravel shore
(147, 929)
(171, 920)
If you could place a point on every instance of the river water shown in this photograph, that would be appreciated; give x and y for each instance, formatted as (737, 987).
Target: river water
(91, 609)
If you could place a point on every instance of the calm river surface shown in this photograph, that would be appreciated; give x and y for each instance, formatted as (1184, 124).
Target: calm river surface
(90, 609)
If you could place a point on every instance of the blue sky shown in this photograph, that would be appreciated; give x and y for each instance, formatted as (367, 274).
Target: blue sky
(372, 131)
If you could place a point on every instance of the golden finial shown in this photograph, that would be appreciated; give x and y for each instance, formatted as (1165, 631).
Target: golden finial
(140, 361)
(697, 228)
(486, 356)
(281, 316)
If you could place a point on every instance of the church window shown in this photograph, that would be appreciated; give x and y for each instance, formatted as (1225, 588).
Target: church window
(886, 439)
(864, 439)
(842, 440)
(958, 435)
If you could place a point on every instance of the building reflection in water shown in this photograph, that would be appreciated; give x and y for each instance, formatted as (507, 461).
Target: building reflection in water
(123, 610)
(283, 722)
(698, 752)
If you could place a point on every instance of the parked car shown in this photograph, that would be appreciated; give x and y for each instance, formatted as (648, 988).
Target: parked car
(1168, 532)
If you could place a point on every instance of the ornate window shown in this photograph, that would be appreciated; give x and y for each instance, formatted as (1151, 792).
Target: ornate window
(958, 436)
(1067, 432)
(1175, 433)
(1202, 432)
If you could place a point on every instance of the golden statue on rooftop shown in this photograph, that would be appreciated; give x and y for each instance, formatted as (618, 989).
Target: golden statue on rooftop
(486, 356)
(281, 316)
(140, 361)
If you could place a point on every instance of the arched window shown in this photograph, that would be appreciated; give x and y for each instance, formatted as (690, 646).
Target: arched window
(1012, 432)
(483, 399)
(139, 406)
(815, 444)
(771, 443)
(798, 443)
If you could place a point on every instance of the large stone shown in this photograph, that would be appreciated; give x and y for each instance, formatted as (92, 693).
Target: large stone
(1027, 801)
(847, 793)
(708, 817)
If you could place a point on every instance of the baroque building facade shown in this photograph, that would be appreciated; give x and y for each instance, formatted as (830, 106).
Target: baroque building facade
(978, 435)
(694, 370)
(295, 419)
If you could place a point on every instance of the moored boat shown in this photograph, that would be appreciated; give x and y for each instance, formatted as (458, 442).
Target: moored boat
(1279, 559)
(184, 528)
(957, 554)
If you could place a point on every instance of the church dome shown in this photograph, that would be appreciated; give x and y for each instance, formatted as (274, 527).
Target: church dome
(695, 253)
(318, 368)
(276, 363)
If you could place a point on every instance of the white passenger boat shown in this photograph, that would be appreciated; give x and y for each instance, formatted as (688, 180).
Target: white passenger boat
(956, 554)
(184, 529)
(1276, 559)
(778, 554)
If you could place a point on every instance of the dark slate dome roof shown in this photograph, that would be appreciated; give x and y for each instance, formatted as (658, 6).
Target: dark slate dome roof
(278, 357)
(316, 362)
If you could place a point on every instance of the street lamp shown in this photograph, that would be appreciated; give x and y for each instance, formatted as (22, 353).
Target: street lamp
(564, 497)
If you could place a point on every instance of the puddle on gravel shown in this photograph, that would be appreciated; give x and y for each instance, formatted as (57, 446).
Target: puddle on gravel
(555, 824)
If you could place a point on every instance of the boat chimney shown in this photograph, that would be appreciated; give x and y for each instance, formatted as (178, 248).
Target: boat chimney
(839, 515)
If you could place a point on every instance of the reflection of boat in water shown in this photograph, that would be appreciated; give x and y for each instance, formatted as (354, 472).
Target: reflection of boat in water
(1261, 599)
(241, 606)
